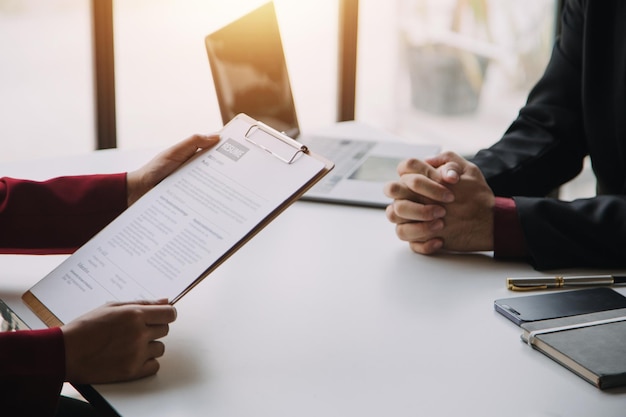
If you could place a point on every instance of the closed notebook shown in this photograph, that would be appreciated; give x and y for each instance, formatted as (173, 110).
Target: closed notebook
(591, 345)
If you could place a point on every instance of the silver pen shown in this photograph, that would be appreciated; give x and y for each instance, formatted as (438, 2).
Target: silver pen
(543, 283)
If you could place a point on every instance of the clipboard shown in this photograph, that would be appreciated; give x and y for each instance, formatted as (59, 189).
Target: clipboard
(254, 168)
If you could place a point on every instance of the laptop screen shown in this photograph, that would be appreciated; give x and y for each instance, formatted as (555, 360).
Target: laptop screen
(250, 73)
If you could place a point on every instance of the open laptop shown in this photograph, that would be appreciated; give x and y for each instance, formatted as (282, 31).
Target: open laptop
(250, 75)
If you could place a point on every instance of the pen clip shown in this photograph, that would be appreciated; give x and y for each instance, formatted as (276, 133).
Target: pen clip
(514, 287)
(532, 284)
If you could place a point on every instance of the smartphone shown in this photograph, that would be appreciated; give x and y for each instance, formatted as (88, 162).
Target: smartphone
(529, 308)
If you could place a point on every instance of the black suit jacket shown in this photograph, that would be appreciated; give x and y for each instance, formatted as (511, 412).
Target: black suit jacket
(577, 108)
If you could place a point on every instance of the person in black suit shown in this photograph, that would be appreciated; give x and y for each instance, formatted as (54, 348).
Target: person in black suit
(497, 199)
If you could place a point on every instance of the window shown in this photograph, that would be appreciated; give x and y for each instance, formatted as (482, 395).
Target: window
(454, 72)
(46, 79)
(164, 89)
(164, 86)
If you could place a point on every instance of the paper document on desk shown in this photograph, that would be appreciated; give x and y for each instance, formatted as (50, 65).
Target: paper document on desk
(177, 233)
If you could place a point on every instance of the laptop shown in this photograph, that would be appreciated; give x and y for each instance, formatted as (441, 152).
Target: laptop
(250, 76)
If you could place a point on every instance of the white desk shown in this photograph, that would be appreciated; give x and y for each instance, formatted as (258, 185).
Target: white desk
(326, 313)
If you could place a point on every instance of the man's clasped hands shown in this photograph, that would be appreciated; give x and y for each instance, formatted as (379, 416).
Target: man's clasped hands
(442, 203)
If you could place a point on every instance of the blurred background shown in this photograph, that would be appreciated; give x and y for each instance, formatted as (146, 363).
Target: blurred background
(433, 69)
(452, 72)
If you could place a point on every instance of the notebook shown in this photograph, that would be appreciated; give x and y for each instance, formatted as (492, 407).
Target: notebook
(590, 345)
(250, 76)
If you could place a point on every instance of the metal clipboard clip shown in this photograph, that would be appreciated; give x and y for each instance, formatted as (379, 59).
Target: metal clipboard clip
(263, 136)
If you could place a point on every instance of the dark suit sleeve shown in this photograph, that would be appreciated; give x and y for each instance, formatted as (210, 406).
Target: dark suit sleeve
(545, 147)
(582, 233)
(58, 215)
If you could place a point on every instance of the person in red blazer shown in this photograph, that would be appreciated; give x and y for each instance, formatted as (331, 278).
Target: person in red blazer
(499, 199)
(116, 342)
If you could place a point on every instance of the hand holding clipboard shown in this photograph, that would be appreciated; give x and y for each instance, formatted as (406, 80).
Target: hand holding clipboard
(186, 226)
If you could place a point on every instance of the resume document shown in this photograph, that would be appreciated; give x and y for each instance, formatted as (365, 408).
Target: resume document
(178, 232)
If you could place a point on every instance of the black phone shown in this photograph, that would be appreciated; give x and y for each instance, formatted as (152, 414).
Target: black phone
(536, 307)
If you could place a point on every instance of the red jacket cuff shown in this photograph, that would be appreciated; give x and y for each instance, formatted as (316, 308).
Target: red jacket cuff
(508, 237)
(32, 370)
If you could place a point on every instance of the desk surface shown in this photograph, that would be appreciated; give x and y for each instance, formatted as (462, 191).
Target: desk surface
(326, 313)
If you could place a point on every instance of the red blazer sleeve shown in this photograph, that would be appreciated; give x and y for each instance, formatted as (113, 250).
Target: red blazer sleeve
(32, 371)
(508, 237)
(54, 216)
(58, 215)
